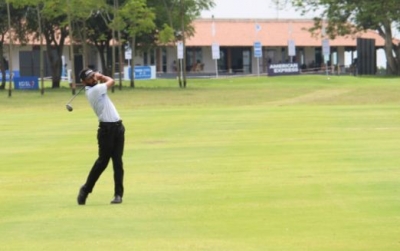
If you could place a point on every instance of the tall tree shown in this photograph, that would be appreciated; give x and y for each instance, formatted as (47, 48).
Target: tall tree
(54, 29)
(17, 33)
(344, 17)
(101, 32)
(137, 19)
(78, 13)
(174, 21)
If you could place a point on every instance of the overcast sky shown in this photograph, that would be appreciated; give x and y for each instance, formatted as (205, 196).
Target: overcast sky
(262, 9)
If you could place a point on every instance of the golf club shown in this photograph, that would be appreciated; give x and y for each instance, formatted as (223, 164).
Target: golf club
(68, 105)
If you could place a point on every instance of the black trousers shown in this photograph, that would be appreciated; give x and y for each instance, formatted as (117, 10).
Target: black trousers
(111, 140)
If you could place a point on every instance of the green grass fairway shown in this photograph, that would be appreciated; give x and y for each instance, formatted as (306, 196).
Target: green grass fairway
(234, 164)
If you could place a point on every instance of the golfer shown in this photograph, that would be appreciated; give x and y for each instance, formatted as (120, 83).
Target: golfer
(110, 134)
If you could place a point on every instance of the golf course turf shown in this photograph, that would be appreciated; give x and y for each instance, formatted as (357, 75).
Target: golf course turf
(228, 164)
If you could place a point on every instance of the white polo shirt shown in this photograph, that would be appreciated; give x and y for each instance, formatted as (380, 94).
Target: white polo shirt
(101, 103)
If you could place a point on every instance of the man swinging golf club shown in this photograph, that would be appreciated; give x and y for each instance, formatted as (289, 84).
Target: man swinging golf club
(110, 134)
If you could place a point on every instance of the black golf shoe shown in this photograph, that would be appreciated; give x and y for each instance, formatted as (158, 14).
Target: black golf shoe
(82, 196)
(117, 200)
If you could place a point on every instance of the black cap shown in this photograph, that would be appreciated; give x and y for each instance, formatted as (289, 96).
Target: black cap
(86, 73)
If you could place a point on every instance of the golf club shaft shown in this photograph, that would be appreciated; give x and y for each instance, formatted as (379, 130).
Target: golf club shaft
(75, 95)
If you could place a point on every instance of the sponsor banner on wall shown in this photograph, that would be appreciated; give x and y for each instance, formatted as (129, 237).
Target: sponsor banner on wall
(140, 72)
(26, 83)
(15, 74)
(283, 69)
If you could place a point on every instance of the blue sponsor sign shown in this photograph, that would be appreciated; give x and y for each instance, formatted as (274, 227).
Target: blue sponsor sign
(257, 50)
(141, 72)
(26, 83)
(15, 74)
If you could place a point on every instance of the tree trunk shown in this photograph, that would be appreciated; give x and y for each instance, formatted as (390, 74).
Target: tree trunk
(56, 67)
(386, 33)
(397, 58)
(184, 45)
(2, 68)
(55, 59)
(133, 48)
(101, 48)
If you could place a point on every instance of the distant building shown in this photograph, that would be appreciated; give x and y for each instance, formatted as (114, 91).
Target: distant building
(236, 40)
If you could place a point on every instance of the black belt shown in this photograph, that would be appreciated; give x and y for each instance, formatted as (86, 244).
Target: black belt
(117, 123)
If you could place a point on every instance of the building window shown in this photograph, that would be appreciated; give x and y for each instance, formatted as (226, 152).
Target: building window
(152, 57)
(145, 58)
(194, 57)
(164, 59)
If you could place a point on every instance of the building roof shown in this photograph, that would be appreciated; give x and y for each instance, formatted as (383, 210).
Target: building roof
(271, 32)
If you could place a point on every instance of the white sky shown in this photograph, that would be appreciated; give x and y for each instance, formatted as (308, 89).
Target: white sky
(251, 9)
(265, 9)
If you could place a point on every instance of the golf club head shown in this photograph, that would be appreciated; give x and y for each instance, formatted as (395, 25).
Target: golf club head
(69, 107)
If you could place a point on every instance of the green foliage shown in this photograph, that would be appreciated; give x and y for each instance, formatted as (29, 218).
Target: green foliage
(166, 34)
(137, 18)
(178, 15)
(17, 15)
(48, 19)
(351, 16)
(93, 21)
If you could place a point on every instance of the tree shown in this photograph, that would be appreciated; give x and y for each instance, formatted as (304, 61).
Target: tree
(78, 12)
(102, 27)
(81, 11)
(174, 21)
(53, 27)
(98, 21)
(54, 24)
(344, 17)
(17, 33)
(138, 19)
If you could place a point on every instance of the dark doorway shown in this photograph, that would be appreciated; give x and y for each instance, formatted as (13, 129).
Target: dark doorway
(319, 59)
(237, 59)
(223, 60)
(241, 59)
(366, 56)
